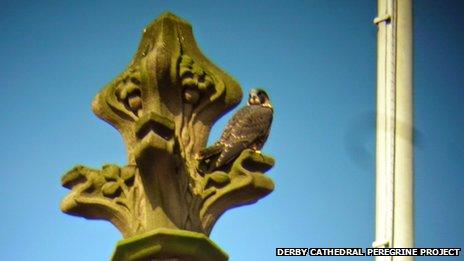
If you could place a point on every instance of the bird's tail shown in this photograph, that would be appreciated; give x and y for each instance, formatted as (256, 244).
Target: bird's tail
(212, 150)
(208, 156)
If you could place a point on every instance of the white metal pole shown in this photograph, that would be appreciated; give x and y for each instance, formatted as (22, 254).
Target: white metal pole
(404, 166)
(394, 154)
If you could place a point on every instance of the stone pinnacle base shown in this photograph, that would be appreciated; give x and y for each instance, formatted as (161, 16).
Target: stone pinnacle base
(168, 244)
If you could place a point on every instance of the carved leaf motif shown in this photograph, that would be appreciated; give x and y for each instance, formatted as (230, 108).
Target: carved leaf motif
(111, 189)
(111, 172)
(128, 174)
(219, 178)
(246, 185)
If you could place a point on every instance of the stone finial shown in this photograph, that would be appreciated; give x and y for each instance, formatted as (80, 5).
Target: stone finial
(164, 105)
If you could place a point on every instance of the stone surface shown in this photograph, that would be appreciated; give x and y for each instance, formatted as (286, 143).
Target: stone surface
(164, 105)
(165, 244)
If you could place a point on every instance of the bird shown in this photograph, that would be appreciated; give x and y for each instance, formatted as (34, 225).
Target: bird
(248, 128)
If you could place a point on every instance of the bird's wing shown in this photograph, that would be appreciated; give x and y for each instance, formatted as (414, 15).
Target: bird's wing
(247, 125)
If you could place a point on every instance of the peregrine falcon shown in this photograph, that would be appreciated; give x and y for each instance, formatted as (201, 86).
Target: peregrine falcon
(248, 129)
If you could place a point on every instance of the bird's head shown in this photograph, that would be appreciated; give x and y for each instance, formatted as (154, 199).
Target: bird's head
(259, 97)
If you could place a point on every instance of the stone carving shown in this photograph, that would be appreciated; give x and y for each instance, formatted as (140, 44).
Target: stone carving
(164, 106)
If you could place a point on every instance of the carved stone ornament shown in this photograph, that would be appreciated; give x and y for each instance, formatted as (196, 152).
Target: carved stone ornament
(164, 105)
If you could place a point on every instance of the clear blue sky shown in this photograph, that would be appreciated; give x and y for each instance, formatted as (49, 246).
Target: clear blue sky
(317, 61)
